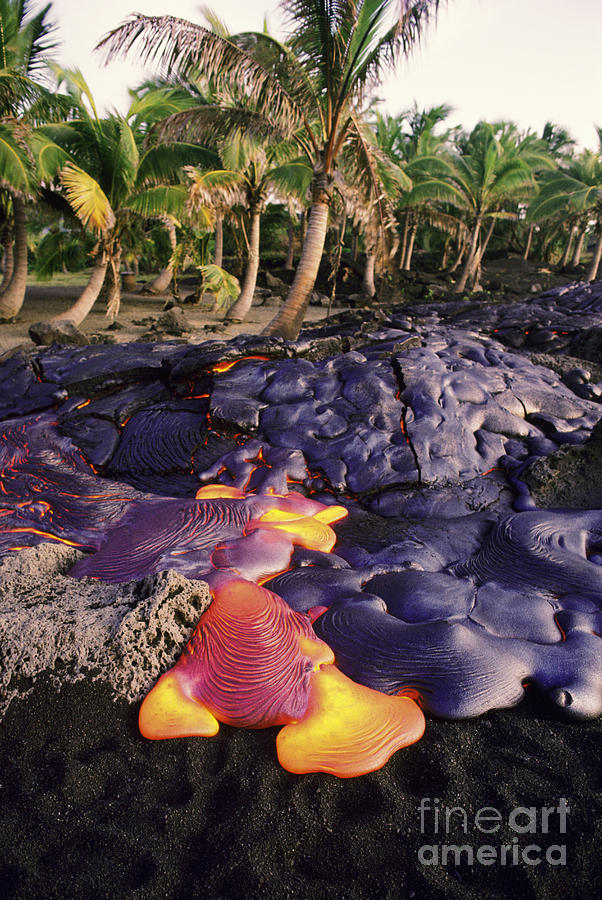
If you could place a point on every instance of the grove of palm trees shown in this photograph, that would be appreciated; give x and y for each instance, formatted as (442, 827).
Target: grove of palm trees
(300, 469)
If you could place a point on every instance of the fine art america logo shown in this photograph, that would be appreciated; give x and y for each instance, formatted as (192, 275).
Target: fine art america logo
(527, 825)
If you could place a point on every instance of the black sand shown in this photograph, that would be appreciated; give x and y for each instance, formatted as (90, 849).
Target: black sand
(91, 809)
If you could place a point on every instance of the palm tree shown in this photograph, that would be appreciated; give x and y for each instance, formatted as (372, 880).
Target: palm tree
(371, 200)
(254, 171)
(309, 90)
(25, 38)
(486, 179)
(576, 190)
(114, 175)
(424, 157)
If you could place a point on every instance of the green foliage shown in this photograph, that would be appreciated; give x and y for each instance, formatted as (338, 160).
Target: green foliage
(59, 250)
(217, 281)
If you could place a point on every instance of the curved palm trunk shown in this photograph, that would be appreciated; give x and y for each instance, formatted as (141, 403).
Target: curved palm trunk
(529, 241)
(14, 295)
(476, 269)
(241, 307)
(218, 255)
(470, 259)
(567, 249)
(287, 322)
(458, 259)
(82, 306)
(368, 286)
(404, 242)
(595, 264)
(160, 284)
(578, 248)
(407, 263)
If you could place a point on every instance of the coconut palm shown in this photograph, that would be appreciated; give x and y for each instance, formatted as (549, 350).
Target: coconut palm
(576, 190)
(114, 175)
(424, 157)
(370, 201)
(25, 38)
(310, 89)
(487, 178)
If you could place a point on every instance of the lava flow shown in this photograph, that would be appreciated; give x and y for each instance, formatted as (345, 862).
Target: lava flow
(444, 585)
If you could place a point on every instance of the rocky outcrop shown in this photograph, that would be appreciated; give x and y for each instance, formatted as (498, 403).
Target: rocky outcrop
(48, 333)
(124, 634)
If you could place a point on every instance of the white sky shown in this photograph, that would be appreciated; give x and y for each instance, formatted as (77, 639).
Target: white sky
(525, 60)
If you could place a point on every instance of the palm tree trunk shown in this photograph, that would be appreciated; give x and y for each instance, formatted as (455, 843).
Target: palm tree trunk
(289, 264)
(595, 264)
(404, 242)
(407, 263)
(238, 312)
(567, 249)
(113, 285)
(218, 255)
(160, 284)
(529, 239)
(287, 322)
(368, 286)
(458, 259)
(82, 306)
(476, 268)
(578, 248)
(14, 295)
(8, 261)
(445, 255)
(470, 257)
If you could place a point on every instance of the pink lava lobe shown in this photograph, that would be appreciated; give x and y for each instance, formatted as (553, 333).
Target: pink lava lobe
(248, 662)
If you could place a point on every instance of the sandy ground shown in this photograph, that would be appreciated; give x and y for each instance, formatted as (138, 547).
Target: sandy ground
(44, 301)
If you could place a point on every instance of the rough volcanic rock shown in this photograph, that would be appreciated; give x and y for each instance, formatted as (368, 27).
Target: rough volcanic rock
(48, 333)
(570, 477)
(125, 634)
(445, 578)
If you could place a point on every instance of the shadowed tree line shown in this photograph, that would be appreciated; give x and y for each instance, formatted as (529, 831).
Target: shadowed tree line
(239, 131)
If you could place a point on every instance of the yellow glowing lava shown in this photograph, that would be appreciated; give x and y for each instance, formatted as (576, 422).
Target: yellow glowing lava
(348, 729)
(168, 712)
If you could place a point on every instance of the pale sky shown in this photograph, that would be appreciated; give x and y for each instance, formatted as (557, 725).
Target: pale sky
(525, 60)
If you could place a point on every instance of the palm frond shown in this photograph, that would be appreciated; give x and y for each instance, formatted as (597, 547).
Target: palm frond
(159, 200)
(157, 103)
(87, 198)
(180, 47)
(292, 178)
(216, 24)
(50, 156)
(445, 222)
(218, 189)
(16, 171)
(162, 163)
(203, 123)
(399, 39)
(219, 282)
(290, 69)
(435, 190)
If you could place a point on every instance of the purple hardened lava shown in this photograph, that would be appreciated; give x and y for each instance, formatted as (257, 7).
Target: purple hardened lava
(446, 583)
